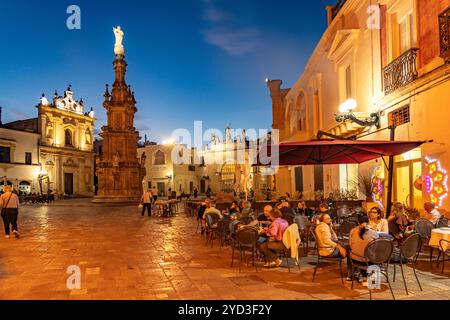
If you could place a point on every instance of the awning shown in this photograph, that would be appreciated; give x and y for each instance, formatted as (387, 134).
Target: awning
(328, 151)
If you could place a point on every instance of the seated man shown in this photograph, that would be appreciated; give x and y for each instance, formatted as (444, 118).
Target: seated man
(327, 238)
(246, 214)
(431, 212)
(201, 213)
(265, 216)
(273, 237)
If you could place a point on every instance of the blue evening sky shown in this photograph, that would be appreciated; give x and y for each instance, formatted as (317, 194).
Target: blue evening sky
(187, 59)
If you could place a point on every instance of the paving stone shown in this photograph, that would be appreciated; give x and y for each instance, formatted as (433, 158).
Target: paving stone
(123, 256)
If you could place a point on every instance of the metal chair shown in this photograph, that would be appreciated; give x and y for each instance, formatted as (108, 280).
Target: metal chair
(445, 252)
(378, 252)
(424, 228)
(245, 241)
(212, 221)
(345, 229)
(409, 250)
(303, 228)
(320, 258)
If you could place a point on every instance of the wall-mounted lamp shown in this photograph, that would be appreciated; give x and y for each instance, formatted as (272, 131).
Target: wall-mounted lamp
(346, 113)
(169, 177)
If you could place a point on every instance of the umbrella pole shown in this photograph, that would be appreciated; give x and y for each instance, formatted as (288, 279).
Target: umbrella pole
(390, 177)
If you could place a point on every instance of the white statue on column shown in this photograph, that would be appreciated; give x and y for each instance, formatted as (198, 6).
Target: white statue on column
(119, 50)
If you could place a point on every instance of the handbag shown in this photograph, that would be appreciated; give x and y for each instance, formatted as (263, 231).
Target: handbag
(6, 205)
(140, 206)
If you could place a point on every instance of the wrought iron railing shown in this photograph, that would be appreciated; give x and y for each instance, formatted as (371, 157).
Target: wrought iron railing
(337, 7)
(401, 71)
(444, 31)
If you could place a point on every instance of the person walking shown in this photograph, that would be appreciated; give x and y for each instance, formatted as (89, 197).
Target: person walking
(9, 204)
(154, 194)
(146, 202)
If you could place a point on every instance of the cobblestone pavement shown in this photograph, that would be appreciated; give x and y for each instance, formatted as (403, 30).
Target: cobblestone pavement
(122, 255)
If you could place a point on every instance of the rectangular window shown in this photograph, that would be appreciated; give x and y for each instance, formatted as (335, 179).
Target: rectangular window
(28, 158)
(5, 155)
(399, 116)
(149, 184)
(318, 177)
(299, 179)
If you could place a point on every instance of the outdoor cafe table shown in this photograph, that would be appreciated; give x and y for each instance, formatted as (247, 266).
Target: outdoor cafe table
(439, 234)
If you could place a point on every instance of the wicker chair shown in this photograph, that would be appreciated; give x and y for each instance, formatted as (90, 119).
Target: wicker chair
(424, 228)
(409, 250)
(378, 252)
(445, 252)
(325, 258)
(245, 241)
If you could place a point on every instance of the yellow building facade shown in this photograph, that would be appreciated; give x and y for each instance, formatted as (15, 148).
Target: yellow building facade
(391, 58)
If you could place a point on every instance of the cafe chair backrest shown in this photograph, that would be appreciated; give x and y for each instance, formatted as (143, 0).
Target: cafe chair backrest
(379, 251)
(411, 246)
(212, 219)
(247, 236)
(424, 228)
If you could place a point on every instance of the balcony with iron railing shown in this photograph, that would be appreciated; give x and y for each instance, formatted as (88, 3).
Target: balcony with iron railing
(401, 71)
(444, 32)
(334, 10)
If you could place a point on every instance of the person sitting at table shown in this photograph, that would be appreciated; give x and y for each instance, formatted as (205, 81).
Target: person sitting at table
(324, 209)
(432, 214)
(327, 238)
(234, 209)
(359, 238)
(398, 221)
(303, 210)
(246, 214)
(377, 222)
(265, 216)
(287, 213)
(201, 212)
(212, 210)
(273, 237)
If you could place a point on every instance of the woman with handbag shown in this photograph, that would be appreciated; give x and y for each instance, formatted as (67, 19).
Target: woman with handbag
(9, 202)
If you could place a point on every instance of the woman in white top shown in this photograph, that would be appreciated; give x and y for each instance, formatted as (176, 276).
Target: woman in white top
(376, 221)
(9, 204)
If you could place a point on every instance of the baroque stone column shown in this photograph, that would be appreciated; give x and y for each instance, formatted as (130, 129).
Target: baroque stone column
(119, 171)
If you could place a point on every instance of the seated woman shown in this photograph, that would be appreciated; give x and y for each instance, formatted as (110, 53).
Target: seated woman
(377, 222)
(303, 210)
(234, 209)
(398, 221)
(359, 238)
(272, 238)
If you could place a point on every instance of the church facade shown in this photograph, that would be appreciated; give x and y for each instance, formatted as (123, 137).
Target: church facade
(67, 144)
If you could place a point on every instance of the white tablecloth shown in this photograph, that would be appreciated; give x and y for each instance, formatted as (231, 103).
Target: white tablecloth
(437, 235)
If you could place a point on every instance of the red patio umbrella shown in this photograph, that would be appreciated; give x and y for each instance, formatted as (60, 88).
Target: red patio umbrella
(316, 152)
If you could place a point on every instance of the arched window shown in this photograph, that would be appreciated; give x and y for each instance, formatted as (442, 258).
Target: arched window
(160, 158)
(68, 138)
(298, 118)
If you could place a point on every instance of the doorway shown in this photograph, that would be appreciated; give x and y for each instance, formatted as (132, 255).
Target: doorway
(202, 186)
(161, 186)
(406, 172)
(68, 183)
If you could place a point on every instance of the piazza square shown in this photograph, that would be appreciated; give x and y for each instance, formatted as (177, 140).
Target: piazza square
(208, 156)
